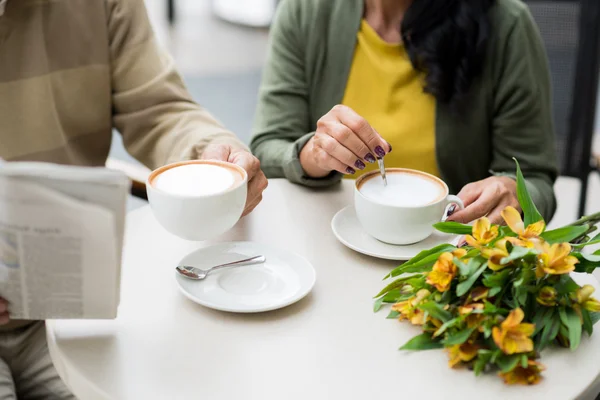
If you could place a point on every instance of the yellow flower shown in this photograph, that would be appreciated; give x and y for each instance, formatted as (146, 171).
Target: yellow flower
(478, 293)
(459, 253)
(524, 376)
(583, 297)
(555, 260)
(443, 272)
(408, 308)
(461, 353)
(496, 254)
(483, 233)
(514, 221)
(547, 296)
(512, 336)
(473, 319)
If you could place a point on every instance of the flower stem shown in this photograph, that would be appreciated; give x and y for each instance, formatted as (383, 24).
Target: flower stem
(592, 219)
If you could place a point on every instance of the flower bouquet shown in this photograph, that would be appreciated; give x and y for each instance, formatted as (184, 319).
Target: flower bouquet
(505, 296)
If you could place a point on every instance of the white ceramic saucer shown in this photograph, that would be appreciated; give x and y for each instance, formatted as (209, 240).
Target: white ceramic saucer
(282, 280)
(348, 230)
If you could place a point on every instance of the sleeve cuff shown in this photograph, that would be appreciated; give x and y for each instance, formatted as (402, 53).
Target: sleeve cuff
(294, 172)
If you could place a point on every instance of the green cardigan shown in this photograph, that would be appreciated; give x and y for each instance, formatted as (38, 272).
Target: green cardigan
(508, 113)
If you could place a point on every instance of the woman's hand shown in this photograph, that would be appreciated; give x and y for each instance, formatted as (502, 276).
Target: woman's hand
(487, 197)
(344, 142)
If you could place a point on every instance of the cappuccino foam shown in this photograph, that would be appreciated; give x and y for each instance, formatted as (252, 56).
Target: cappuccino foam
(196, 180)
(403, 189)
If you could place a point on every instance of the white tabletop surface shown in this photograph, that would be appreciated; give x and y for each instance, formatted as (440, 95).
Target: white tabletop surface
(330, 345)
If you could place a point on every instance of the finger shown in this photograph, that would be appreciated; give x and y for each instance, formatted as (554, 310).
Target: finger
(256, 187)
(479, 208)
(470, 193)
(247, 161)
(362, 129)
(327, 162)
(216, 152)
(339, 152)
(251, 206)
(4, 318)
(495, 216)
(344, 135)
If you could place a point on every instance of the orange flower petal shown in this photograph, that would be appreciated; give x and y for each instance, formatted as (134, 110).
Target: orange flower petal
(513, 219)
(535, 229)
(514, 318)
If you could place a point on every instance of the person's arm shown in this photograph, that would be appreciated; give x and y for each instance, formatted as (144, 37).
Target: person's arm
(281, 128)
(522, 126)
(153, 111)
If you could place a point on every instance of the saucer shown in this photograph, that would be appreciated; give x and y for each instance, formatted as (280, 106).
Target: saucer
(347, 229)
(283, 279)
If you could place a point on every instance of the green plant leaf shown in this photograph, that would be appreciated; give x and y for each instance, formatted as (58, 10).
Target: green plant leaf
(565, 234)
(494, 291)
(496, 279)
(571, 320)
(422, 342)
(483, 358)
(542, 318)
(594, 240)
(518, 253)
(566, 285)
(507, 363)
(446, 325)
(463, 269)
(378, 304)
(454, 228)
(594, 317)
(524, 360)
(587, 262)
(459, 337)
(393, 315)
(436, 310)
(531, 212)
(397, 284)
(587, 322)
(419, 263)
(464, 287)
(550, 331)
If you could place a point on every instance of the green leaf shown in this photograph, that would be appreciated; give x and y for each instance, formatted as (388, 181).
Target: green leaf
(566, 285)
(496, 279)
(446, 325)
(571, 320)
(524, 360)
(436, 310)
(542, 318)
(459, 338)
(454, 227)
(507, 363)
(472, 253)
(483, 358)
(531, 212)
(550, 331)
(594, 240)
(518, 253)
(393, 315)
(397, 284)
(464, 287)
(463, 269)
(565, 234)
(587, 262)
(595, 317)
(422, 261)
(377, 305)
(422, 342)
(494, 291)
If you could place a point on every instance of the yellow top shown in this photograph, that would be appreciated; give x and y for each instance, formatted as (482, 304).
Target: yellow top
(385, 89)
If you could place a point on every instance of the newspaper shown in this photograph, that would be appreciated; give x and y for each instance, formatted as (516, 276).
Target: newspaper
(61, 239)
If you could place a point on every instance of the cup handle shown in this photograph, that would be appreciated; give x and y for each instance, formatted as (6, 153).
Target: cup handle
(451, 199)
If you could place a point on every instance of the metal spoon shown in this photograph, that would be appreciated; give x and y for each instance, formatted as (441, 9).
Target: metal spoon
(382, 170)
(199, 274)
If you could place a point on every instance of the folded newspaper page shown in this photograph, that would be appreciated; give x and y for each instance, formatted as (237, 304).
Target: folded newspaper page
(61, 237)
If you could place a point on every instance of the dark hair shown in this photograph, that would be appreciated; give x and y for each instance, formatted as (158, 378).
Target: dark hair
(447, 39)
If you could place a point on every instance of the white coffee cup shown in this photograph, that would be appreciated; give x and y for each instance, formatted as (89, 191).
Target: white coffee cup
(404, 211)
(198, 200)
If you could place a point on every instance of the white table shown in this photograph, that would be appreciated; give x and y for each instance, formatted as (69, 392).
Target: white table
(328, 346)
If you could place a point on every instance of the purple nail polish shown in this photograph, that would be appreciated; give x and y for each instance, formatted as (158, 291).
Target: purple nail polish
(451, 210)
(379, 151)
(360, 165)
(370, 158)
(351, 171)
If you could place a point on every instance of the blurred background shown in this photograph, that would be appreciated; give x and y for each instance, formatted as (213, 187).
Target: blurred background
(219, 47)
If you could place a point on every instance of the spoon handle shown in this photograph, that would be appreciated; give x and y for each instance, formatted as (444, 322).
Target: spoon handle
(248, 261)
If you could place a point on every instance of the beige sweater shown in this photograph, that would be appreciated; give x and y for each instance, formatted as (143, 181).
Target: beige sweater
(71, 70)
